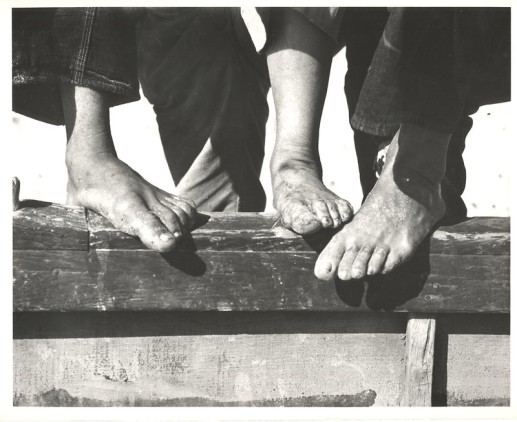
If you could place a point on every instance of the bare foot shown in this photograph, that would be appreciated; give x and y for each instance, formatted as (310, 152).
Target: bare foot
(305, 205)
(98, 180)
(397, 215)
(101, 182)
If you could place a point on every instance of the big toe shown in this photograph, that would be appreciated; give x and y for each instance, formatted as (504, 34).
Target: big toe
(327, 263)
(300, 219)
(135, 218)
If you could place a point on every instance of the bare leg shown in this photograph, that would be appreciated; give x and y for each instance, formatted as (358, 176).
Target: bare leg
(397, 215)
(299, 58)
(98, 180)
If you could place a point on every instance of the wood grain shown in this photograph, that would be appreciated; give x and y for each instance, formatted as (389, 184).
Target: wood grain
(259, 232)
(239, 370)
(240, 281)
(419, 358)
(289, 340)
(45, 226)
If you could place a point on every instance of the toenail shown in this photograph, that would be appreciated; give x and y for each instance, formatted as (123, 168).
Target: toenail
(165, 237)
(357, 273)
(343, 275)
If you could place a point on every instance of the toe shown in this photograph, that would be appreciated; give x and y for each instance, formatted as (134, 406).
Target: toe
(300, 219)
(401, 252)
(327, 264)
(345, 265)
(154, 235)
(134, 217)
(184, 208)
(172, 217)
(393, 260)
(360, 265)
(346, 210)
(376, 263)
(334, 214)
(321, 212)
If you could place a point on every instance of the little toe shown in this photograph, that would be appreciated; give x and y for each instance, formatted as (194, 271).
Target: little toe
(321, 211)
(377, 261)
(360, 265)
(327, 263)
(346, 263)
(393, 260)
(346, 210)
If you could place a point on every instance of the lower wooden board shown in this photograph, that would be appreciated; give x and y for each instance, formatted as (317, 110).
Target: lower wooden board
(360, 363)
(472, 361)
(314, 369)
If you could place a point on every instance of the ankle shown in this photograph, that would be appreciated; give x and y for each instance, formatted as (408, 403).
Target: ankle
(295, 161)
(83, 147)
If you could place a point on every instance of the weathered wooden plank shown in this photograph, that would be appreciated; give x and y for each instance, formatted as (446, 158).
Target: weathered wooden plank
(472, 360)
(240, 281)
(258, 232)
(419, 356)
(45, 226)
(236, 370)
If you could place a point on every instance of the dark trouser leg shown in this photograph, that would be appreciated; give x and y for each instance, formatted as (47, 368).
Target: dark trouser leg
(199, 69)
(362, 29)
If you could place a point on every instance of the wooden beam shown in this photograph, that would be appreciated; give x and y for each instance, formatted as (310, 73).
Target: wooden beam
(44, 226)
(240, 262)
(418, 362)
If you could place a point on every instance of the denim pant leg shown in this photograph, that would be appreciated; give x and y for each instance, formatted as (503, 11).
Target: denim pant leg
(371, 63)
(93, 47)
(208, 86)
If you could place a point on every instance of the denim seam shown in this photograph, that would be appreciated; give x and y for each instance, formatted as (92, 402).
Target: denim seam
(374, 128)
(109, 85)
(89, 21)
